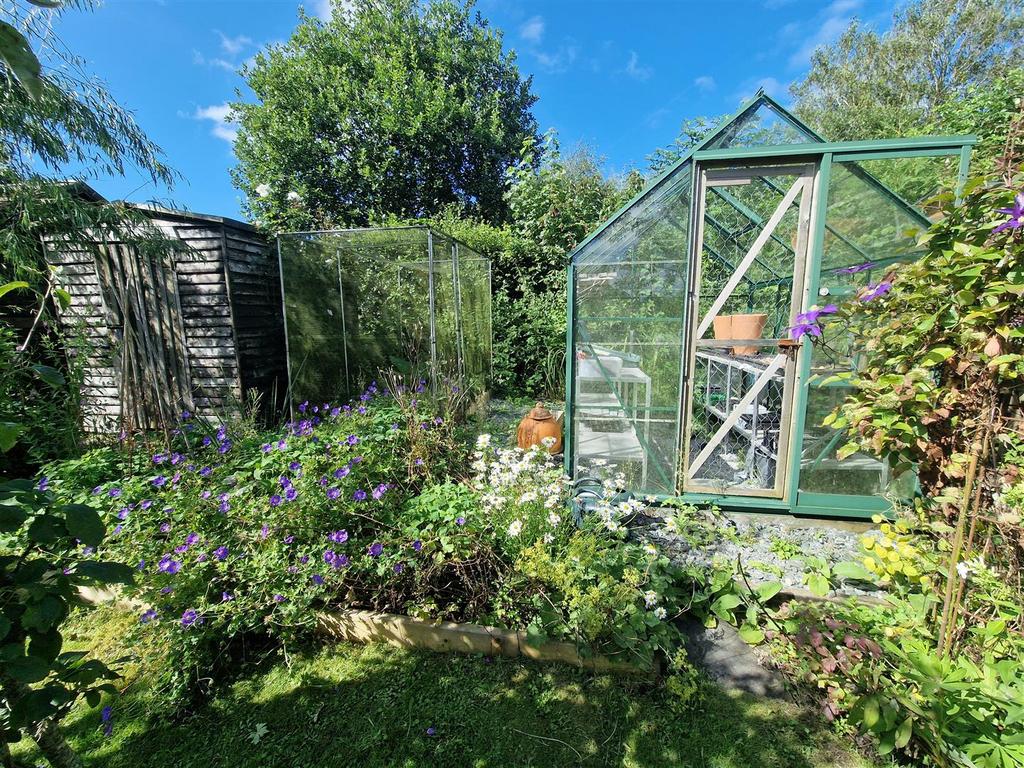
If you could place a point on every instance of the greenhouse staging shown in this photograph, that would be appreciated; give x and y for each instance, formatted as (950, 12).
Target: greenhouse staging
(686, 370)
(359, 302)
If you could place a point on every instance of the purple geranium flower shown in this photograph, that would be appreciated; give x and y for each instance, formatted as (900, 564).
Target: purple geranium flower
(44, 483)
(168, 565)
(148, 616)
(333, 493)
(352, 440)
(460, 521)
(341, 472)
(275, 500)
(318, 579)
(291, 494)
(399, 567)
(226, 597)
(1016, 214)
(380, 490)
(279, 598)
(417, 545)
(375, 549)
(338, 537)
(221, 552)
(189, 617)
(159, 481)
(359, 495)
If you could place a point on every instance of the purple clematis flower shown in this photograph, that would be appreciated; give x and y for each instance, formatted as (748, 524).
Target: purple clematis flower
(855, 268)
(874, 291)
(1016, 214)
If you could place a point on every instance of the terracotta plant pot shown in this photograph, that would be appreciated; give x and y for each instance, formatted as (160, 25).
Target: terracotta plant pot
(723, 326)
(537, 425)
(747, 327)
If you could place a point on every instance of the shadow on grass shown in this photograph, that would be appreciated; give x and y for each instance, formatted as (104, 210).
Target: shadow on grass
(372, 706)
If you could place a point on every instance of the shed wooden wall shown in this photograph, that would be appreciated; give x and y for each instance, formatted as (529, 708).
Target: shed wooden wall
(229, 317)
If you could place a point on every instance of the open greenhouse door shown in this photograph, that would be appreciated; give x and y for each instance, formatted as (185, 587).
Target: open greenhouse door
(746, 286)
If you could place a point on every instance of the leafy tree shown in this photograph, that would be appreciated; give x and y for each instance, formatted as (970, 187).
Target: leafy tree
(870, 85)
(393, 107)
(691, 132)
(555, 200)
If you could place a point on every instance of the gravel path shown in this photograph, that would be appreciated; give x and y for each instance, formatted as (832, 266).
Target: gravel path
(770, 547)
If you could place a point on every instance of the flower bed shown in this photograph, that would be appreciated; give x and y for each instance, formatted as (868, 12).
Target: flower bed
(241, 537)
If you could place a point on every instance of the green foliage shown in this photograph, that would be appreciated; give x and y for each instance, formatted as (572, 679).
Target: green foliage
(44, 560)
(869, 85)
(388, 108)
(951, 316)
(555, 201)
(37, 398)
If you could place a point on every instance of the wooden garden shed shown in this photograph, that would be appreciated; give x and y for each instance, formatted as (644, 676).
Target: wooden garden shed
(194, 326)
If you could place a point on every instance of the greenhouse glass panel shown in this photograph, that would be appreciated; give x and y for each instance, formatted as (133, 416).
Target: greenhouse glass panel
(869, 229)
(361, 302)
(686, 371)
(629, 290)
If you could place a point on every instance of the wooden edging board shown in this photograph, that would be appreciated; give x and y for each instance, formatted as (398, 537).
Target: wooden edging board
(447, 636)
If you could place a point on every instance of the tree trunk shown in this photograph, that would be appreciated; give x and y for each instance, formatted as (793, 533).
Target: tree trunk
(46, 734)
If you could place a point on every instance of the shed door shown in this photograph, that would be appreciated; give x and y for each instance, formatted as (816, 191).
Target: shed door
(746, 286)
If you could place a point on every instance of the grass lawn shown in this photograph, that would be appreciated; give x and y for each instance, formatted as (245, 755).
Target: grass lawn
(348, 705)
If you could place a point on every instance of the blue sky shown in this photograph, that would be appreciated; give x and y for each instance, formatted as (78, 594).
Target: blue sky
(620, 76)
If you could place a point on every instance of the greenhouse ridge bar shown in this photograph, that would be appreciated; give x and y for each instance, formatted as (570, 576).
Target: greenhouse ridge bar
(681, 369)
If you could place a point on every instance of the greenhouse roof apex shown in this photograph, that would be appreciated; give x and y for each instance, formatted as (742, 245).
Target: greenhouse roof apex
(762, 127)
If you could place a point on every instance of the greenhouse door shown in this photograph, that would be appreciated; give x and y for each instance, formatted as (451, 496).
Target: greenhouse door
(746, 286)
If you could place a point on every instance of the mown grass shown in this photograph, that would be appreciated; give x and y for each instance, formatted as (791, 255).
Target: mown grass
(345, 705)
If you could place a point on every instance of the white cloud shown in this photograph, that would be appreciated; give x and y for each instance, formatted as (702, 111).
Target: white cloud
(233, 45)
(557, 61)
(705, 83)
(532, 29)
(821, 30)
(199, 60)
(324, 9)
(769, 85)
(634, 70)
(219, 114)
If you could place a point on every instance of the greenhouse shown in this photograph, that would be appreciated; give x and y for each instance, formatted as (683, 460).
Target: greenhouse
(360, 302)
(684, 373)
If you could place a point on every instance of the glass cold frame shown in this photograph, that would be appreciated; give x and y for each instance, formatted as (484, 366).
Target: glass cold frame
(358, 302)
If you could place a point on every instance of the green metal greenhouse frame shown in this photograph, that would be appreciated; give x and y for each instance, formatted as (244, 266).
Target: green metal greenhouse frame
(626, 230)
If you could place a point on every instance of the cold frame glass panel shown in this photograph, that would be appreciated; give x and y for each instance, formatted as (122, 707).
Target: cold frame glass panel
(629, 290)
(475, 311)
(870, 228)
(313, 318)
(447, 321)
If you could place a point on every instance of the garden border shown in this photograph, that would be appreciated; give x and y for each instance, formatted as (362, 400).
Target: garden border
(356, 626)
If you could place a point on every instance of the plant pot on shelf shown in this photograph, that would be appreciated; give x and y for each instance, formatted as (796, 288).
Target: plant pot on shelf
(747, 327)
